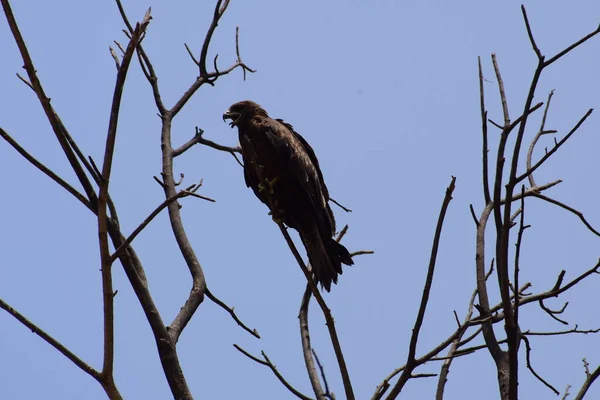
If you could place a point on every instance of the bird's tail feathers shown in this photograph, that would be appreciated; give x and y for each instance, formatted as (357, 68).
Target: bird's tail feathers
(325, 255)
(341, 252)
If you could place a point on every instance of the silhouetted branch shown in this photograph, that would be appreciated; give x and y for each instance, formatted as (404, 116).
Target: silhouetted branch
(210, 77)
(47, 171)
(183, 193)
(590, 377)
(25, 81)
(306, 346)
(57, 126)
(51, 341)
(553, 150)
(566, 393)
(456, 343)
(339, 205)
(530, 367)
(328, 394)
(559, 288)
(146, 65)
(484, 132)
(539, 134)
(267, 362)
(224, 306)
(553, 313)
(559, 333)
(411, 360)
(106, 270)
(220, 8)
(198, 138)
(326, 312)
(570, 209)
(502, 92)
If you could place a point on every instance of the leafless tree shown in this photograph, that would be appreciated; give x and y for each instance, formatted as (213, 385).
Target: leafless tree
(505, 197)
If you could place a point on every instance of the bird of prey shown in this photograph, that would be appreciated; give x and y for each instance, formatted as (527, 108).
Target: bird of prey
(284, 173)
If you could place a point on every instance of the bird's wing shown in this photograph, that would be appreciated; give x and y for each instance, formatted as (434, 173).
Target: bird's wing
(311, 154)
(303, 163)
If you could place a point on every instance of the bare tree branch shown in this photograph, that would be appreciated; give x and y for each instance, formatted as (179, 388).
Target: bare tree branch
(48, 172)
(267, 362)
(457, 342)
(570, 209)
(538, 135)
(339, 205)
(198, 138)
(183, 193)
(589, 379)
(553, 150)
(328, 394)
(57, 126)
(559, 333)
(502, 91)
(566, 393)
(486, 183)
(51, 341)
(411, 361)
(530, 367)
(306, 346)
(107, 288)
(224, 306)
(553, 313)
(326, 312)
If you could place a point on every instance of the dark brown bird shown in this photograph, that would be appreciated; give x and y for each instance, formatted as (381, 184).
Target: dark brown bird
(283, 171)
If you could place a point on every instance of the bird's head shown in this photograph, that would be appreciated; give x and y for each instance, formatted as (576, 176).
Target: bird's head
(243, 111)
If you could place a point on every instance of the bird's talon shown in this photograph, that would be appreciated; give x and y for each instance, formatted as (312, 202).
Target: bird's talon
(277, 215)
(268, 184)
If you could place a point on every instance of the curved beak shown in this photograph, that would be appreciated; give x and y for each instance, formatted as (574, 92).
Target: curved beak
(233, 116)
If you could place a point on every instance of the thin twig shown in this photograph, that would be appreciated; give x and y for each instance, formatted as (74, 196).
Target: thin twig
(568, 208)
(25, 81)
(57, 126)
(47, 171)
(522, 228)
(231, 312)
(484, 132)
(445, 369)
(51, 341)
(560, 333)
(566, 393)
(149, 219)
(191, 55)
(502, 91)
(328, 394)
(553, 313)
(411, 360)
(538, 135)
(530, 367)
(339, 205)
(553, 150)
(267, 362)
(589, 379)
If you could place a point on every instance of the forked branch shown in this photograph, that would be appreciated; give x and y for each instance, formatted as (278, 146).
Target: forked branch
(411, 363)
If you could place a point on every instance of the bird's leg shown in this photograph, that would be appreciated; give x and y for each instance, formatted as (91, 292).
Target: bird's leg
(268, 185)
(276, 213)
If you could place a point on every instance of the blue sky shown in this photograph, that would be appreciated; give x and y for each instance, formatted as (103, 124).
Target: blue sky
(386, 92)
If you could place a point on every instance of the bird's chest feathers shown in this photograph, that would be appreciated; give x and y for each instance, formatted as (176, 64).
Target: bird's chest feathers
(265, 151)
